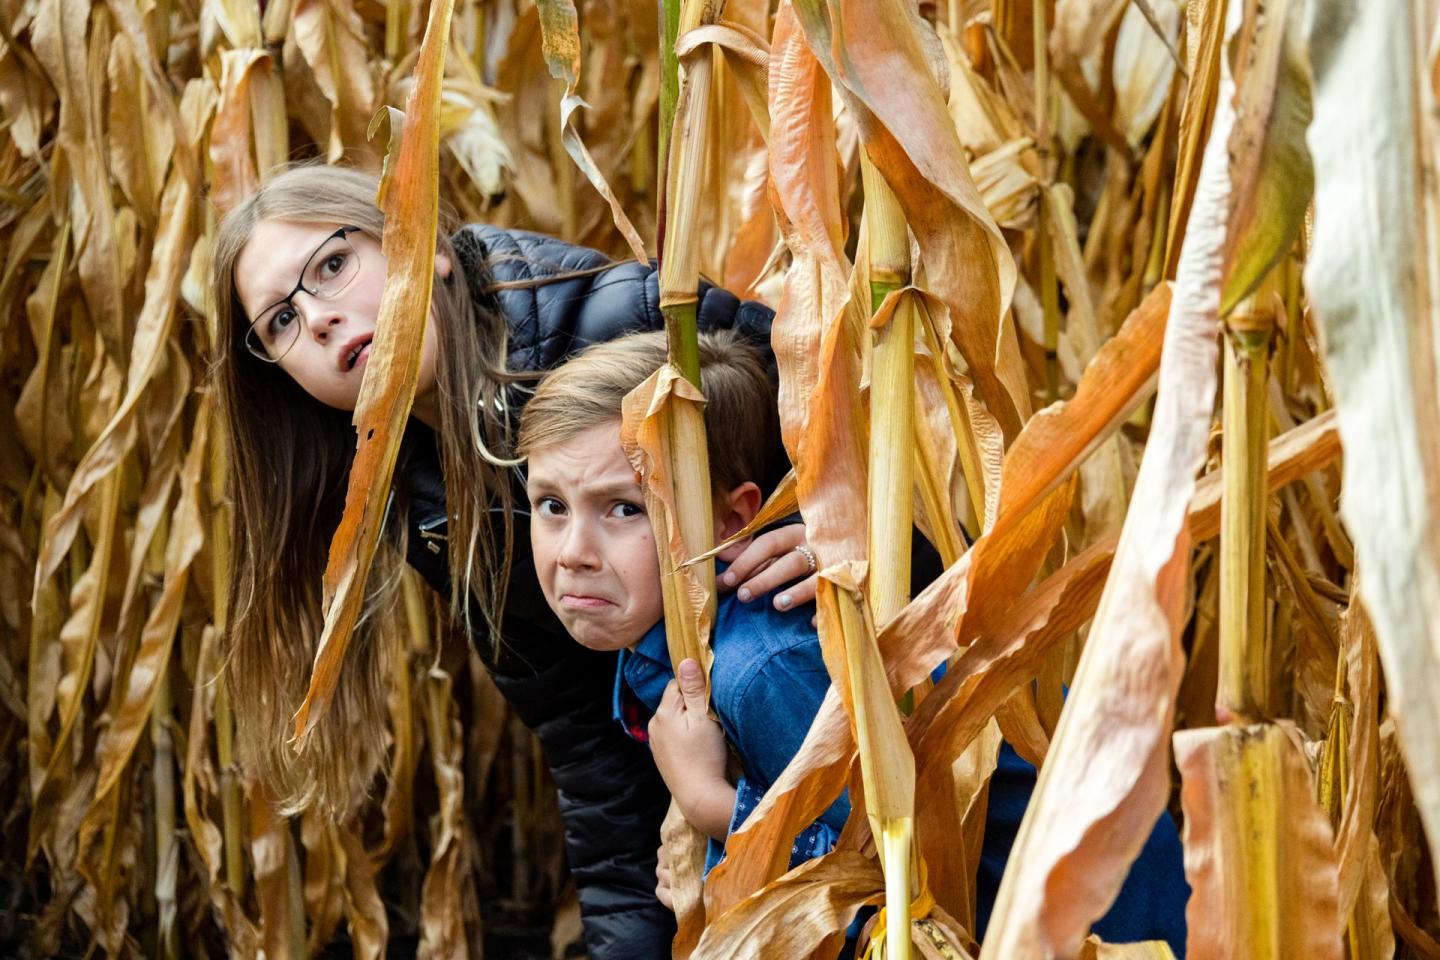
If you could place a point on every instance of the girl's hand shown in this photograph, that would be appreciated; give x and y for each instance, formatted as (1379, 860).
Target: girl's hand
(769, 561)
(689, 748)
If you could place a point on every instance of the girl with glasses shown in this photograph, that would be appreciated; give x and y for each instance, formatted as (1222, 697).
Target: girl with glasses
(297, 278)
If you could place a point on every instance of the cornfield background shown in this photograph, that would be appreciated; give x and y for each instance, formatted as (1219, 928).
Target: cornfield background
(1016, 248)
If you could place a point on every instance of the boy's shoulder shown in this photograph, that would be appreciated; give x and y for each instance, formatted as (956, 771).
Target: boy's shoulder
(749, 639)
(757, 628)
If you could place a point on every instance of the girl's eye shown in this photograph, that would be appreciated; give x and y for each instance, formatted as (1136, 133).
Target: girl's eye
(279, 320)
(549, 507)
(332, 266)
(625, 509)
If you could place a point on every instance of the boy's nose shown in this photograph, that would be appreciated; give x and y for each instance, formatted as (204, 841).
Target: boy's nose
(577, 550)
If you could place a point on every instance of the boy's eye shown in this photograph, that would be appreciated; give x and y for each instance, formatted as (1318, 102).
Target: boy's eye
(549, 507)
(625, 509)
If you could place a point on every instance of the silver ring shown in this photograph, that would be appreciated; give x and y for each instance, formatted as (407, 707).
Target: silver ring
(809, 556)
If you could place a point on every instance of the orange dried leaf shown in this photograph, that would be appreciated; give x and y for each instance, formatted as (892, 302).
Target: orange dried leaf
(647, 441)
(1107, 777)
(801, 915)
(885, 77)
(411, 207)
(1258, 850)
(560, 38)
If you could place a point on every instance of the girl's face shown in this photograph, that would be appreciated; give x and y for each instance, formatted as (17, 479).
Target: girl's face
(329, 356)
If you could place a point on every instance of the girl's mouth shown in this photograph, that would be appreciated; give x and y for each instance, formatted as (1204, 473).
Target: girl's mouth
(360, 352)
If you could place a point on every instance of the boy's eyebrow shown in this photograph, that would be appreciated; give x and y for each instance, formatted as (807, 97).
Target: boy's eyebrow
(630, 489)
(625, 490)
(620, 488)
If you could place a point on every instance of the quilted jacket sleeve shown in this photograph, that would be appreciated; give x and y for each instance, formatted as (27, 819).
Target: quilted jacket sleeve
(611, 798)
(552, 320)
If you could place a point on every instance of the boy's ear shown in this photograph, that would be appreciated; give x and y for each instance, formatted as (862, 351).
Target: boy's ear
(732, 512)
(443, 266)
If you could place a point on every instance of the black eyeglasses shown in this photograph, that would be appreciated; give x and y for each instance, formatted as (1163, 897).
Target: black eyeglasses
(329, 270)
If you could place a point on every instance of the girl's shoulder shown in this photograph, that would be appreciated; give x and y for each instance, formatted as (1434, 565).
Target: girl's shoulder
(504, 255)
(557, 297)
(560, 297)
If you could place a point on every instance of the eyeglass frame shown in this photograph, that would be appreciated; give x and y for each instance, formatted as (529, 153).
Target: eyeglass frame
(344, 234)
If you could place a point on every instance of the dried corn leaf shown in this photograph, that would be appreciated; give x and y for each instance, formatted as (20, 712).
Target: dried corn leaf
(908, 135)
(198, 776)
(324, 899)
(1258, 850)
(63, 43)
(780, 504)
(1144, 66)
(759, 852)
(1353, 836)
(648, 444)
(409, 199)
(1063, 435)
(1373, 284)
(281, 930)
(152, 331)
(1107, 778)
(131, 710)
(331, 36)
(560, 37)
(365, 914)
(1270, 171)
(1204, 33)
(235, 176)
(1292, 455)
(803, 914)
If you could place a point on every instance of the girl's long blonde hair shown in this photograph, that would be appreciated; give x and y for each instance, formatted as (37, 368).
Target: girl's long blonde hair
(289, 462)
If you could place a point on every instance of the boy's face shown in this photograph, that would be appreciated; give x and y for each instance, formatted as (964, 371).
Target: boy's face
(594, 551)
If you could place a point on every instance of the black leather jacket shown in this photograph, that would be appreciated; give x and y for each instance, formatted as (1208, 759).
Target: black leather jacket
(611, 797)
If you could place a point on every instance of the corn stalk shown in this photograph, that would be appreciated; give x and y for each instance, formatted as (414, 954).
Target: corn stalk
(891, 482)
(690, 595)
(1243, 661)
(684, 428)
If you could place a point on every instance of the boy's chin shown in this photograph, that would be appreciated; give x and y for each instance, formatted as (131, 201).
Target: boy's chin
(602, 641)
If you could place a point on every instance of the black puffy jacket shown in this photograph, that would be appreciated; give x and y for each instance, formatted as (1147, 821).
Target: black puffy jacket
(611, 797)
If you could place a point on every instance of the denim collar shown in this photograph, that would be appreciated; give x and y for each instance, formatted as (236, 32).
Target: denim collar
(645, 669)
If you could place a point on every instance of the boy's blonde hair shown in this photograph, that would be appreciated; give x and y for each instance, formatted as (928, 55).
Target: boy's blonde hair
(741, 424)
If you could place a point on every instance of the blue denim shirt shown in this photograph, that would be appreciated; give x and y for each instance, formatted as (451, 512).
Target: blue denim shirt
(767, 682)
(766, 685)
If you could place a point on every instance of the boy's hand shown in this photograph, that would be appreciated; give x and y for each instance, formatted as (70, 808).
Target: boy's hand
(662, 879)
(689, 749)
(769, 561)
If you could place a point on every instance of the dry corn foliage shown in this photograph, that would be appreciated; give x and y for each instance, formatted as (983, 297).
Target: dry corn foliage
(1007, 244)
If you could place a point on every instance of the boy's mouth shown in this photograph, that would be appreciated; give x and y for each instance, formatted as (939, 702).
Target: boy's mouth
(576, 601)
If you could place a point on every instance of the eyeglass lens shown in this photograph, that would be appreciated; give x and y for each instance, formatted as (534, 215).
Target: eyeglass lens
(327, 273)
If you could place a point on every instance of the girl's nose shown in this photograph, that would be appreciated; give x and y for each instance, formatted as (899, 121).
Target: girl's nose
(320, 315)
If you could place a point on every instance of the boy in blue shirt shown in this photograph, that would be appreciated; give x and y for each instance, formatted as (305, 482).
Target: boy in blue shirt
(596, 562)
